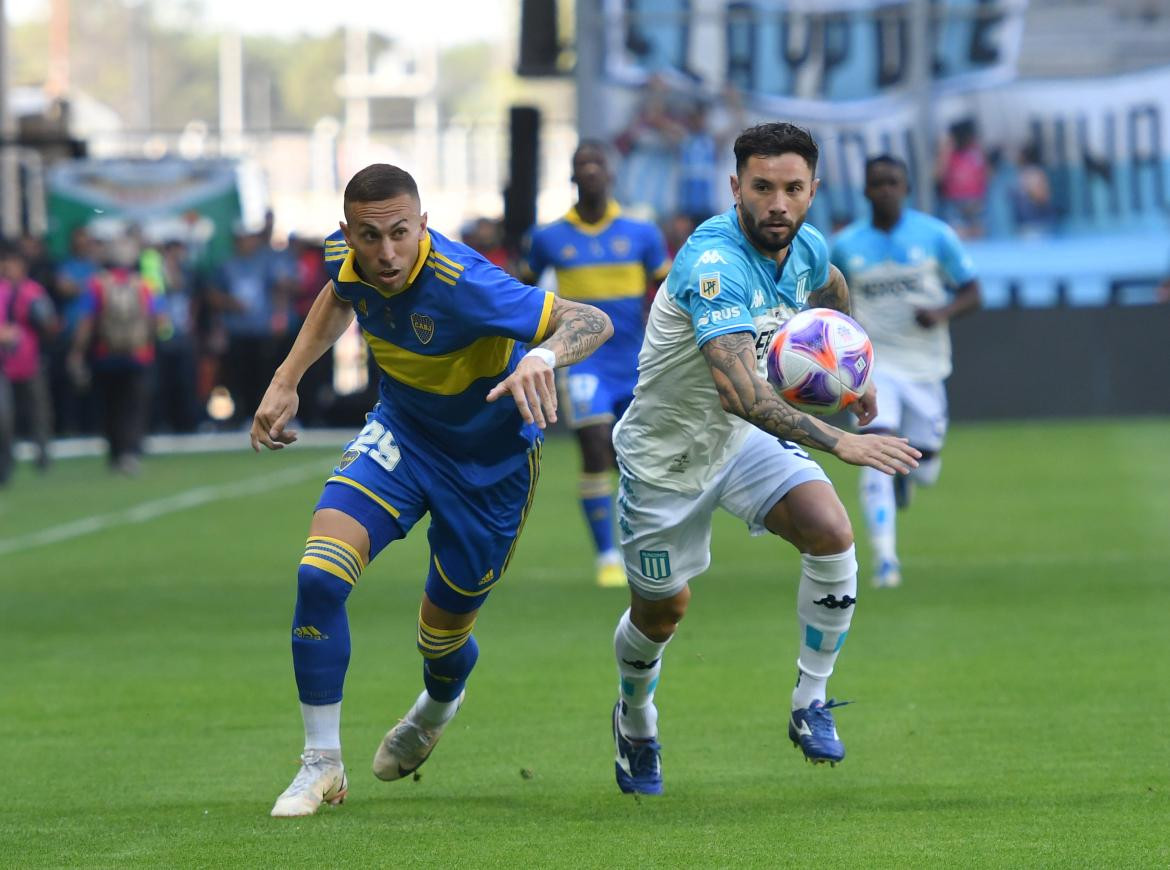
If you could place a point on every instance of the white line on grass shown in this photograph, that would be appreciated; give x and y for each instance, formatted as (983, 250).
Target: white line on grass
(149, 510)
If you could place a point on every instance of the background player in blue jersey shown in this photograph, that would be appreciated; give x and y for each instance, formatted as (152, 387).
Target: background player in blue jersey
(606, 259)
(707, 430)
(902, 266)
(456, 433)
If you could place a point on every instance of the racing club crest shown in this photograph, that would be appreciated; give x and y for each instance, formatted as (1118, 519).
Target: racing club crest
(424, 327)
(709, 285)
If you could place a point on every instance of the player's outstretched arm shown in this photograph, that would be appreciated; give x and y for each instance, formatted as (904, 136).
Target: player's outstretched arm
(732, 360)
(577, 331)
(329, 317)
(834, 294)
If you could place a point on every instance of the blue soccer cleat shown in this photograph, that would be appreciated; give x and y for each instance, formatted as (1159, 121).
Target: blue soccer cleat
(813, 730)
(637, 764)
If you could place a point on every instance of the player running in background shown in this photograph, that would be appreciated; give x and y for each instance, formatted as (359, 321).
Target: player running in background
(899, 265)
(707, 430)
(608, 260)
(456, 432)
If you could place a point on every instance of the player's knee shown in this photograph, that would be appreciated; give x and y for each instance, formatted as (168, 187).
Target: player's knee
(659, 619)
(328, 571)
(929, 468)
(828, 536)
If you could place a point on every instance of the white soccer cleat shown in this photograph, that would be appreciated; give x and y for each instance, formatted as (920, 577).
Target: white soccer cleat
(888, 575)
(321, 779)
(405, 747)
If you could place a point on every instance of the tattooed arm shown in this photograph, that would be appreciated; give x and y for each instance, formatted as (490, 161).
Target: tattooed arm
(577, 331)
(834, 294)
(732, 360)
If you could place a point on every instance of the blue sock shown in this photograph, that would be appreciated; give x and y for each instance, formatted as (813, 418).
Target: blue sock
(596, 492)
(320, 634)
(448, 657)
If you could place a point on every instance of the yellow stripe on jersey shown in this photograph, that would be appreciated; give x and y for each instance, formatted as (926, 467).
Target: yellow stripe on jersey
(445, 374)
(612, 212)
(456, 267)
(441, 269)
(377, 499)
(602, 281)
(348, 271)
(542, 329)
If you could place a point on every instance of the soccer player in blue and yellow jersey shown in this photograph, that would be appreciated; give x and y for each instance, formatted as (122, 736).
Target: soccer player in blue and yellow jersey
(456, 433)
(606, 259)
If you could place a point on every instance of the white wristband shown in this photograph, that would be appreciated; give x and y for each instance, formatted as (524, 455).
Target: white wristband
(544, 355)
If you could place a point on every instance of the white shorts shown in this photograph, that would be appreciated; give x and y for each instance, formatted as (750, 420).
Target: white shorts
(666, 535)
(917, 410)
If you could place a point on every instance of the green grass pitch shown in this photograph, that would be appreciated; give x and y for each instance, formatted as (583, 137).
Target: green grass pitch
(1011, 698)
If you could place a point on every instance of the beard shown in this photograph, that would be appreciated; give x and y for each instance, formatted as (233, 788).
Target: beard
(764, 242)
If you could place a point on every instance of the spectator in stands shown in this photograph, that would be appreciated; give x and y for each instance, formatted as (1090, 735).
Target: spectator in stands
(649, 145)
(1031, 195)
(26, 318)
(487, 237)
(962, 177)
(72, 407)
(317, 385)
(176, 408)
(115, 340)
(253, 291)
(698, 163)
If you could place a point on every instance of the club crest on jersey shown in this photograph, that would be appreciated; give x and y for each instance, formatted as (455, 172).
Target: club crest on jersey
(424, 327)
(655, 563)
(620, 246)
(347, 459)
(709, 285)
(802, 287)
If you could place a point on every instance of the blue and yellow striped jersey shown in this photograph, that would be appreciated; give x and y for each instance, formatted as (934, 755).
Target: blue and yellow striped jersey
(455, 330)
(608, 264)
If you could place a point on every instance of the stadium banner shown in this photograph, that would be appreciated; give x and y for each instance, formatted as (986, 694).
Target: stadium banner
(827, 58)
(1104, 141)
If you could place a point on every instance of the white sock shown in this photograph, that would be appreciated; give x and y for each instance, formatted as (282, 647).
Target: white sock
(431, 714)
(877, 502)
(825, 603)
(639, 661)
(322, 725)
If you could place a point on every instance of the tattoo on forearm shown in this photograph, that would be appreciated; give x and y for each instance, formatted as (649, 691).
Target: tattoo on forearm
(835, 293)
(580, 330)
(732, 359)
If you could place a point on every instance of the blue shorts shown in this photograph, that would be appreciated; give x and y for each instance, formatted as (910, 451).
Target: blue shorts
(590, 397)
(387, 485)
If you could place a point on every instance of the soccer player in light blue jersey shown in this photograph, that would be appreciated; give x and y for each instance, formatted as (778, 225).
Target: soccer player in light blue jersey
(605, 259)
(456, 433)
(909, 277)
(707, 430)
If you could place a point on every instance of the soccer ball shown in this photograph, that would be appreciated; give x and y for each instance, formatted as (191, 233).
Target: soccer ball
(820, 361)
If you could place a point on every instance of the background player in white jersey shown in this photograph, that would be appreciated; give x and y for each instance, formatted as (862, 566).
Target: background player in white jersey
(707, 430)
(901, 265)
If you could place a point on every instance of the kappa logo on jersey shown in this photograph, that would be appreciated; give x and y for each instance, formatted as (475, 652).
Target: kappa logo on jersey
(757, 298)
(655, 563)
(709, 285)
(710, 257)
(424, 327)
(802, 287)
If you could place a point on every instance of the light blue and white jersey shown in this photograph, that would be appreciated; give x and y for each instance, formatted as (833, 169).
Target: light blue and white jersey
(890, 275)
(676, 434)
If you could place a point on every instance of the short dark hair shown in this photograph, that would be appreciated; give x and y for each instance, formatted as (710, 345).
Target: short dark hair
(887, 160)
(379, 181)
(772, 139)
